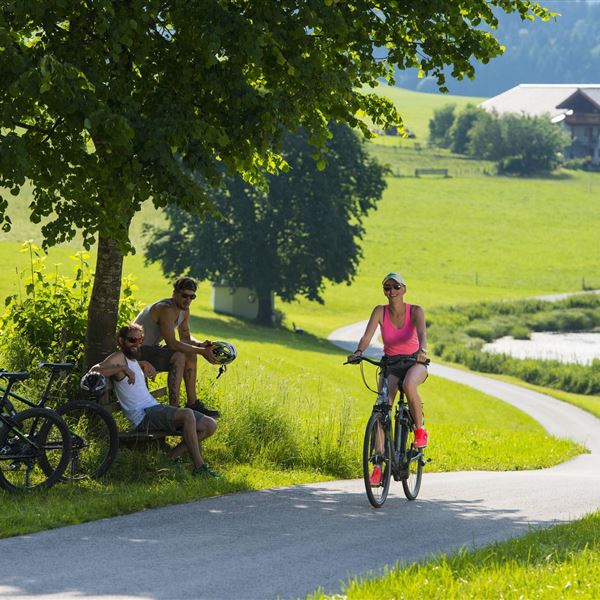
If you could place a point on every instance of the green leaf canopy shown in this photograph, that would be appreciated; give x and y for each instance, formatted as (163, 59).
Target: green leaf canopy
(106, 103)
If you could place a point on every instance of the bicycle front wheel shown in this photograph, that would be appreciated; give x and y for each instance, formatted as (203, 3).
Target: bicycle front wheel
(94, 439)
(414, 460)
(377, 460)
(34, 453)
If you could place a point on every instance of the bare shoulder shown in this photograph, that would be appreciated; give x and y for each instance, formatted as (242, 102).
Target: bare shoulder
(378, 312)
(116, 359)
(164, 307)
(416, 310)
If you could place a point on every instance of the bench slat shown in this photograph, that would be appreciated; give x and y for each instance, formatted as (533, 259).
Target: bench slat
(443, 172)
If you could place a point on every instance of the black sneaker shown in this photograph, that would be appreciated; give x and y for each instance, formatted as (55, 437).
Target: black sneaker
(202, 408)
(205, 471)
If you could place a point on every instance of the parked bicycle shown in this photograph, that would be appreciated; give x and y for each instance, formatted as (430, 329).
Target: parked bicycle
(35, 444)
(389, 443)
(94, 434)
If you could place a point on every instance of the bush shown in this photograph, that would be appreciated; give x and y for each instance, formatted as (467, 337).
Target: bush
(521, 144)
(440, 125)
(459, 132)
(581, 164)
(48, 321)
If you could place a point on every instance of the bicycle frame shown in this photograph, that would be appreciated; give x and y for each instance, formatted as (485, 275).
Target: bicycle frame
(402, 423)
(388, 448)
(54, 375)
(7, 422)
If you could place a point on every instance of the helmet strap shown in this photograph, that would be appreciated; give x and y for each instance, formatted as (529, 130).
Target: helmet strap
(222, 370)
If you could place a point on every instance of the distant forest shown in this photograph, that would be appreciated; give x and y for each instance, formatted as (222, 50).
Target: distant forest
(563, 51)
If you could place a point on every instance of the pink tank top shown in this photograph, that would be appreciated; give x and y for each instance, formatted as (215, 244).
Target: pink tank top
(396, 340)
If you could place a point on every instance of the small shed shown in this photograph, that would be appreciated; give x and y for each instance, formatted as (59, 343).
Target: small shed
(236, 301)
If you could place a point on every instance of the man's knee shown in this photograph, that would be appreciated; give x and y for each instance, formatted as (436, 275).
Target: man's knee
(207, 425)
(190, 359)
(183, 416)
(178, 359)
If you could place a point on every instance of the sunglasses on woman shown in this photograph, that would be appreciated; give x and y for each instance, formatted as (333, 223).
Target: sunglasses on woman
(389, 288)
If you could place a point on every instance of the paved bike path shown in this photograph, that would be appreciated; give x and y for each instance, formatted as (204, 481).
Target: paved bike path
(286, 542)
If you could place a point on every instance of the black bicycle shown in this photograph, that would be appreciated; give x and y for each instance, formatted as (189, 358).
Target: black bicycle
(94, 433)
(389, 449)
(35, 444)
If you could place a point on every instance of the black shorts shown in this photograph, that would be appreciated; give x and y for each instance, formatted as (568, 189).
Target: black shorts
(400, 368)
(158, 356)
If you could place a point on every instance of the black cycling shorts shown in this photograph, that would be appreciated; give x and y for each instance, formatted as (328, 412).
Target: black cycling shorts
(400, 368)
(158, 356)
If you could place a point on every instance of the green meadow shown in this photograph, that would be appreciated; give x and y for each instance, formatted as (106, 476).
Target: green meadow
(473, 236)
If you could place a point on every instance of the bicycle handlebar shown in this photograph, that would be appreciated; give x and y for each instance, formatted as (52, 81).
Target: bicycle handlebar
(385, 362)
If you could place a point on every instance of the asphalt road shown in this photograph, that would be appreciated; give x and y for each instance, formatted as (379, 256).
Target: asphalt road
(286, 542)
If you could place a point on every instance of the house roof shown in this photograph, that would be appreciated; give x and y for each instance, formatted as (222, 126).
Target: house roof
(539, 99)
(591, 95)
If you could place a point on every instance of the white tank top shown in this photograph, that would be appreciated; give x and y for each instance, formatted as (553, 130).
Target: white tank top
(134, 398)
(152, 333)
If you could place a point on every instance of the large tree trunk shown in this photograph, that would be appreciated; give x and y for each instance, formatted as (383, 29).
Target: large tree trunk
(103, 310)
(265, 309)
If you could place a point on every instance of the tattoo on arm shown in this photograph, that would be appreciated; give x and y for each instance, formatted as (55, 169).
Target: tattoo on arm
(171, 381)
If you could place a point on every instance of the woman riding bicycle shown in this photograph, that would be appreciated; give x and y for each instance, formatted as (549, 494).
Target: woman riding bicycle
(403, 333)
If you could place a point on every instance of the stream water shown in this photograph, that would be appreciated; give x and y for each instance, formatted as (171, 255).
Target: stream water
(579, 348)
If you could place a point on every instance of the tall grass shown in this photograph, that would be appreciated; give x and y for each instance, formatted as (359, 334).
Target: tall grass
(264, 422)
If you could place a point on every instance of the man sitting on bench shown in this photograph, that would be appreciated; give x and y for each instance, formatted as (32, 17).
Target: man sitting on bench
(144, 412)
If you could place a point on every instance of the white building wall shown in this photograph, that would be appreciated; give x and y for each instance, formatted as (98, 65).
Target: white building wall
(239, 302)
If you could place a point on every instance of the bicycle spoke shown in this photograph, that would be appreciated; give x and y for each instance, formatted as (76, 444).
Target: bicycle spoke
(44, 440)
(377, 457)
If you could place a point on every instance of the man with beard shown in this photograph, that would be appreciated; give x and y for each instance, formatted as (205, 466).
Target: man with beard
(144, 412)
(178, 357)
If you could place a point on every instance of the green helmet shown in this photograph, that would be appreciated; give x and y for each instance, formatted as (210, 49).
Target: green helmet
(224, 352)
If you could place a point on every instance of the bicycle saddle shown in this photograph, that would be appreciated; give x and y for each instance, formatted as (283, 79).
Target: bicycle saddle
(57, 366)
(14, 376)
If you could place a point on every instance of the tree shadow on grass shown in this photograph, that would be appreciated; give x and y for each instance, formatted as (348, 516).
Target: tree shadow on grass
(227, 328)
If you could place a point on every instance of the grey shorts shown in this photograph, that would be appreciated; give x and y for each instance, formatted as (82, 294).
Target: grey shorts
(162, 418)
(158, 356)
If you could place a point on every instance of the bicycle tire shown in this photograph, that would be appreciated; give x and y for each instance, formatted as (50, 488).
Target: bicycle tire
(413, 457)
(26, 467)
(377, 494)
(94, 439)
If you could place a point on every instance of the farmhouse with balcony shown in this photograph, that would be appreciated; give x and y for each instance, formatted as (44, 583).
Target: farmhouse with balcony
(575, 107)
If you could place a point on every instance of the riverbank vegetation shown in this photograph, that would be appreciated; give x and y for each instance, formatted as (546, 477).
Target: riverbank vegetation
(459, 333)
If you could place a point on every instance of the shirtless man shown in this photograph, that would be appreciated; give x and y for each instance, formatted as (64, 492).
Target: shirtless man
(177, 357)
(144, 412)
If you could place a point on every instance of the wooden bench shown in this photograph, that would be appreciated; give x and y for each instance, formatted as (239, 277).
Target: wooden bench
(419, 172)
(133, 438)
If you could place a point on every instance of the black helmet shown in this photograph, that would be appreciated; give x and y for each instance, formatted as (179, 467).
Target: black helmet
(224, 352)
(94, 384)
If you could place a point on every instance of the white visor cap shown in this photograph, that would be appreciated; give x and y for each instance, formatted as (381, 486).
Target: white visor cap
(396, 277)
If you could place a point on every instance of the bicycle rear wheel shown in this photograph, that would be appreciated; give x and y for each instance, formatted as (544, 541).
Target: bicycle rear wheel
(377, 454)
(414, 460)
(94, 439)
(39, 456)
